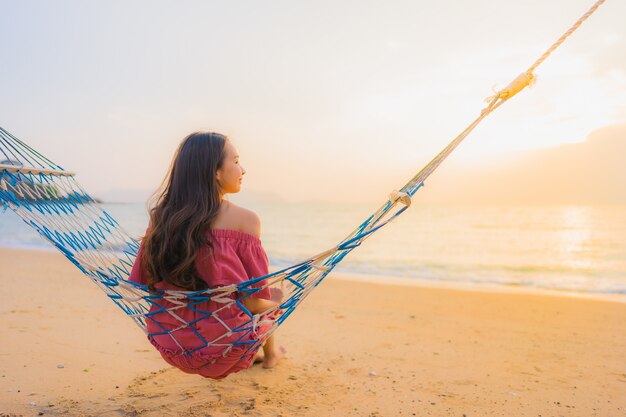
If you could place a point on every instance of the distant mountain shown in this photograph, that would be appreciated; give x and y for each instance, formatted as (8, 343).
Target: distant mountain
(246, 197)
(590, 172)
(120, 195)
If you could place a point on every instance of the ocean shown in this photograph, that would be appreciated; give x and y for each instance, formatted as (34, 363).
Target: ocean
(564, 248)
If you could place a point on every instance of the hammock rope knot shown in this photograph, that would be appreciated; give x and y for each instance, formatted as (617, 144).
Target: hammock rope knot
(401, 197)
(518, 84)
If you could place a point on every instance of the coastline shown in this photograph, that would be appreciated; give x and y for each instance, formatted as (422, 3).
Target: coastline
(387, 279)
(354, 348)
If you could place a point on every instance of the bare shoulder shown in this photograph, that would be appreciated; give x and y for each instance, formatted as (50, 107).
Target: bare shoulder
(244, 220)
(250, 222)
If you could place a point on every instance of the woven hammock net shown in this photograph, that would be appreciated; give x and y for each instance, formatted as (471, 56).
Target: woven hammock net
(50, 200)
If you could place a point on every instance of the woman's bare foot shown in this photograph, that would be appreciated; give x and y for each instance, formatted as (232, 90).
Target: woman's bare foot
(271, 359)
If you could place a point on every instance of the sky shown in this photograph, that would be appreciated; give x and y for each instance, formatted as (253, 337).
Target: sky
(325, 100)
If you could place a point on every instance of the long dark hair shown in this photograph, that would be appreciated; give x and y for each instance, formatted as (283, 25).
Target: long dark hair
(186, 204)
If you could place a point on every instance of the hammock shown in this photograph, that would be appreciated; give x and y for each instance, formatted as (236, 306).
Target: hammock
(49, 199)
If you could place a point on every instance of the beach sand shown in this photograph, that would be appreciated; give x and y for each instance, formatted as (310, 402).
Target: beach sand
(354, 349)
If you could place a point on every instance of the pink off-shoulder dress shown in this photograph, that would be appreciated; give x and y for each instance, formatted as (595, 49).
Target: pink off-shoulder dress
(237, 256)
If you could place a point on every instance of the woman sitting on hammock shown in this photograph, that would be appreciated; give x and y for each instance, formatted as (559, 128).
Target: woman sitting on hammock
(198, 240)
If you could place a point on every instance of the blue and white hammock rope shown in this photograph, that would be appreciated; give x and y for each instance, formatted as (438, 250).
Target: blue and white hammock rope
(49, 199)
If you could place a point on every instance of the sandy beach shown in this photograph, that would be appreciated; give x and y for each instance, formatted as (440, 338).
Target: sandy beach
(354, 349)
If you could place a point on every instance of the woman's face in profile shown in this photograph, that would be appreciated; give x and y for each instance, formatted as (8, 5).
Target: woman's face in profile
(230, 175)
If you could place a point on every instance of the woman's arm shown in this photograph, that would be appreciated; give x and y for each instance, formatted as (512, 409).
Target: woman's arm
(258, 305)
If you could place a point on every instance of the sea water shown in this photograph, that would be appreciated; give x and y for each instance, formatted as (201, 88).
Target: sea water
(567, 248)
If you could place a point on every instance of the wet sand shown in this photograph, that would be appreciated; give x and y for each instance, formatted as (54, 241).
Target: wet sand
(354, 349)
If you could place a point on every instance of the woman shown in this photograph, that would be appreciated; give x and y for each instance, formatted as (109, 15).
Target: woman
(198, 240)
